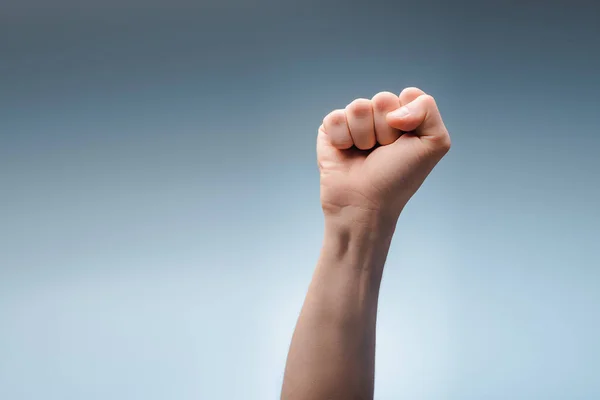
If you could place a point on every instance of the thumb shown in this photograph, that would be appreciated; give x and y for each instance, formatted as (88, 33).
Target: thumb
(421, 117)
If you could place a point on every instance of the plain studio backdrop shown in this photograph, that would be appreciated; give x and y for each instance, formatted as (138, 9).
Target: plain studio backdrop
(159, 197)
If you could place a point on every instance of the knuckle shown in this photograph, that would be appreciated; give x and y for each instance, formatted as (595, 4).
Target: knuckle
(411, 92)
(360, 108)
(443, 142)
(428, 100)
(335, 118)
(447, 143)
(383, 101)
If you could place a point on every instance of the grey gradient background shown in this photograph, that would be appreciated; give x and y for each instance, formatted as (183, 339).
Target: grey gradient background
(159, 216)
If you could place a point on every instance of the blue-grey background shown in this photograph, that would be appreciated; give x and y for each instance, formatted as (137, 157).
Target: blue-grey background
(159, 216)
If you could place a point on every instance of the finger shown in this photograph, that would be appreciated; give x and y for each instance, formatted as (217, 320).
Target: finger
(336, 128)
(359, 115)
(409, 94)
(422, 117)
(383, 103)
(325, 149)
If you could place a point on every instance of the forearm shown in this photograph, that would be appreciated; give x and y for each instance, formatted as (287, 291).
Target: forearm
(373, 155)
(332, 355)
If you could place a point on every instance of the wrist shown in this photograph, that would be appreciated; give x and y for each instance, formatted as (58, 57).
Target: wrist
(358, 240)
(357, 222)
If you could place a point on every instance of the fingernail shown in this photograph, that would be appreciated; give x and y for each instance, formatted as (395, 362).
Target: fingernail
(400, 113)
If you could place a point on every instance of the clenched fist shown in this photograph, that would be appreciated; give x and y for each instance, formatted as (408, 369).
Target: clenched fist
(374, 154)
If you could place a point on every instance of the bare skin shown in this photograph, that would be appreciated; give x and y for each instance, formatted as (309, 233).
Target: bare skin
(372, 156)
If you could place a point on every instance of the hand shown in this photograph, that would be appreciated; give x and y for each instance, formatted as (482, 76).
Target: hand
(375, 154)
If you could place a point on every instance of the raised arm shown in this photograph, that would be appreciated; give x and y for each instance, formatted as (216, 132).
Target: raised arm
(372, 156)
